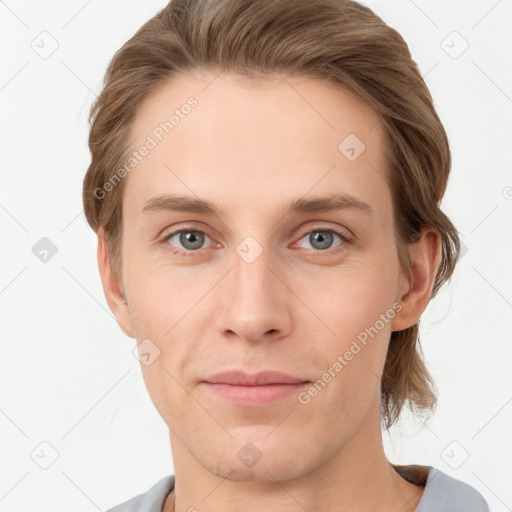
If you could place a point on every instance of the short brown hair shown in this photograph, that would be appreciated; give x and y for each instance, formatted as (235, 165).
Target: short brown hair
(336, 40)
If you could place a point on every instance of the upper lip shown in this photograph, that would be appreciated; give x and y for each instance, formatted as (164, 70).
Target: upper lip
(240, 378)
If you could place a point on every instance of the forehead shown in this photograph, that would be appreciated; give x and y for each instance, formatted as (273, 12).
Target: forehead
(220, 135)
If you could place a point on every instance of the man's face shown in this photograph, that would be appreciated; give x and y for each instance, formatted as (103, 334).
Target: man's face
(253, 288)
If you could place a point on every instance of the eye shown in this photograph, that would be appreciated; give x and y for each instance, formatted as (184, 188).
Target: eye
(186, 242)
(190, 239)
(322, 239)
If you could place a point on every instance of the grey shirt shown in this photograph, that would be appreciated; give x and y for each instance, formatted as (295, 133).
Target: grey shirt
(442, 493)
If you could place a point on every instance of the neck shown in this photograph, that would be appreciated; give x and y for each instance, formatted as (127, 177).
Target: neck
(358, 477)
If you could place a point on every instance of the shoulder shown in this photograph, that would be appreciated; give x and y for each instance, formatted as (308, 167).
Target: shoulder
(444, 493)
(150, 501)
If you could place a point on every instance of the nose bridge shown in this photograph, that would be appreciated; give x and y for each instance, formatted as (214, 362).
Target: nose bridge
(250, 272)
(253, 303)
(251, 277)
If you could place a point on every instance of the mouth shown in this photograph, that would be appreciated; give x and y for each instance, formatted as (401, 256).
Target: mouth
(254, 389)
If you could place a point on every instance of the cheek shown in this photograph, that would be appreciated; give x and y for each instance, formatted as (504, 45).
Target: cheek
(350, 300)
(158, 297)
(358, 309)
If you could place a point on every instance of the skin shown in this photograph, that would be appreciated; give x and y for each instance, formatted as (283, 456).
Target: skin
(251, 148)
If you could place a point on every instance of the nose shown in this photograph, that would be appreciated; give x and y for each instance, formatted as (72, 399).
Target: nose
(254, 302)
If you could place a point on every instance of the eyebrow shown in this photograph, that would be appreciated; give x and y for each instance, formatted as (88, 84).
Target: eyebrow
(334, 202)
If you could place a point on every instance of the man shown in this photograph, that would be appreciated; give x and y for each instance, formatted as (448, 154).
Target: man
(265, 184)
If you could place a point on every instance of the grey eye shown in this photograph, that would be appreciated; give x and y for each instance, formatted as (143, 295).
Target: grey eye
(321, 239)
(190, 240)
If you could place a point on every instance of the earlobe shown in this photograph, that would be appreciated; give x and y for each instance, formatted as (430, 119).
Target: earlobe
(416, 291)
(113, 293)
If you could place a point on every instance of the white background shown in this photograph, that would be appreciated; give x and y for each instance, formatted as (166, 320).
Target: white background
(68, 374)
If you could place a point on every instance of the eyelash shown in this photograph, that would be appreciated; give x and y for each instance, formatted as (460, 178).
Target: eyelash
(341, 247)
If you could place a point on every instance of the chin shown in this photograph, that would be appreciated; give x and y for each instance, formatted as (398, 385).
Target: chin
(261, 462)
(269, 472)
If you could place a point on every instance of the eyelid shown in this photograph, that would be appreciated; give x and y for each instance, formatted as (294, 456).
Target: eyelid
(335, 251)
(343, 233)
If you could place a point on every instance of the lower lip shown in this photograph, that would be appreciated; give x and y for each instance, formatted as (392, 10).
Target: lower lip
(256, 395)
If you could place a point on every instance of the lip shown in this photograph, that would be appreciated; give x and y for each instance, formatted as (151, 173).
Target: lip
(254, 389)
(240, 378)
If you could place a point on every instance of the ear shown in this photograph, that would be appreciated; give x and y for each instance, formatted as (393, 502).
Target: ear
(415, 290)
(115, 297)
